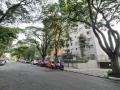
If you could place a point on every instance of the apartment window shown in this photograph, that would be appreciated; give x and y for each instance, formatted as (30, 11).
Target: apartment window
(76, 48)
(87, 27)
(89, 39)
(88, 32)
(67, 51)
(92, 56)
(71, 44)
(91, 46)
(71, 39)
(67, 45)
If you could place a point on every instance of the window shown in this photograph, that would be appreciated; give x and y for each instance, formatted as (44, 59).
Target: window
(92, 56)
(67, 51)
(76, 48)
(87, 27)
(71, 44)
(76, 43)
(88, 32)
(89, 39)
(91, 46)
(67, 45)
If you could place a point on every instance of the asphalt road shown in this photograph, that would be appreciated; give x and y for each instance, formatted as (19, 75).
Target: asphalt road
(18, 76)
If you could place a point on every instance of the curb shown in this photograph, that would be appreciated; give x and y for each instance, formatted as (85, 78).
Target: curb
(105, 77)
(86, 74)
(114, 78)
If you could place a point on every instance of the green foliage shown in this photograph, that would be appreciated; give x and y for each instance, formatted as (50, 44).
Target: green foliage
(109, 72)
(19, 51)
(54, 27)
(83, 41)
(16, 10)
(83, 44)
(7, 35)
(1, 12)
(23, 52)
(76, 10)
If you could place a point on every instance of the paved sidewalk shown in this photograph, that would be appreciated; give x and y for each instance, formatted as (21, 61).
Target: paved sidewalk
(93, 72)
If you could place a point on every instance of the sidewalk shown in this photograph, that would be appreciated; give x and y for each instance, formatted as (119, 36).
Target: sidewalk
(92, 72)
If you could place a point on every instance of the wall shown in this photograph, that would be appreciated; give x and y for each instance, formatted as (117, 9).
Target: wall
(89, 65)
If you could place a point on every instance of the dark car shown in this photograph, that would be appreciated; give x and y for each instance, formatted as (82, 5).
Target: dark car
(2, 62)
(60, 65)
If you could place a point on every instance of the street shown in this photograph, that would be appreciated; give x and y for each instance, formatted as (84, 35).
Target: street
(19, 76)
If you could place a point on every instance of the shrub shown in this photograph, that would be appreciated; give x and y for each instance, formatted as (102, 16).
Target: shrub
(109, 73)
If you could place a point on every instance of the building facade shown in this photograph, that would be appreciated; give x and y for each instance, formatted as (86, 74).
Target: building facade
(93, 52)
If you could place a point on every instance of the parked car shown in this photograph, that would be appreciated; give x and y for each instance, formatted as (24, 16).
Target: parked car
(47, 63)
(50, 64)
(34, 62)
(27, 61)
(22, 61)
(41, 63)
(60, 65)
(53, 65)
(2, 62)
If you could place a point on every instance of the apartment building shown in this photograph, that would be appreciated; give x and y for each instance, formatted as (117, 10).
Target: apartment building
(93, 52)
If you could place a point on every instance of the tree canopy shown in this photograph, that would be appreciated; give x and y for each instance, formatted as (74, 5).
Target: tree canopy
(99, 15)
(7, 35)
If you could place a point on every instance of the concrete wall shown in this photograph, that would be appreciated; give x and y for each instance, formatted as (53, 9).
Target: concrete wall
(90, 64)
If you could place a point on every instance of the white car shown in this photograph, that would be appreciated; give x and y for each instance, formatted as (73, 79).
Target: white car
(34, 62)
(2, 62)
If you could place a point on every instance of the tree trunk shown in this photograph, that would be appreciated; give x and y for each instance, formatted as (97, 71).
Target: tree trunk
(105, 47)
(115, 65)
(1, 54)
(56, 52)
(43, 57)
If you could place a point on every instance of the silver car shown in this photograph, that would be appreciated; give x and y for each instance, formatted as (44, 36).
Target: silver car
(2, 62)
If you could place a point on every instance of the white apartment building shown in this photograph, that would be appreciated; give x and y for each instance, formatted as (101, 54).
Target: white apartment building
(94, 52)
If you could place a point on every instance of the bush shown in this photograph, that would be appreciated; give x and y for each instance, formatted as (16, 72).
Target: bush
(110, 73)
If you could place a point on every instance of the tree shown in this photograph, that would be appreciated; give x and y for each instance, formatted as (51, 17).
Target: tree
(41, 37)
(16, 11)
(55, 22)
(51, 35)
(7, 35)
(83, 44)
(24, 50)
(36, 45)
(19, 52)
(113, 36)
(89, 12)
(12, 11)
